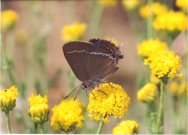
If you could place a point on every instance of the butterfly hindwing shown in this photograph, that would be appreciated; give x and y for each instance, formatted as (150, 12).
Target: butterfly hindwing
(77, 59)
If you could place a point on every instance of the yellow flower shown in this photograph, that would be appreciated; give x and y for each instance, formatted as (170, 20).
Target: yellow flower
(163, 64)
(8, 98)
(130, 4)
(38, 108)
(113, 40)
(148, 93)
(154, 79)
(107, 99)
(126, 127)
(171, 21)
(8, 19)
(73, 32)
(108, 2)
(149, 46)
(182, 4)
(68, 115)
(178, 87)
(153, 9)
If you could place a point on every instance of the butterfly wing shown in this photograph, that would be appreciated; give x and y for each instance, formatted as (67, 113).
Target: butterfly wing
(101, 62)
(91, 60)
(76, 56)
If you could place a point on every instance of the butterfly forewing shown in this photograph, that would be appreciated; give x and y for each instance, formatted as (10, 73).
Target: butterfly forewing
(77, 58)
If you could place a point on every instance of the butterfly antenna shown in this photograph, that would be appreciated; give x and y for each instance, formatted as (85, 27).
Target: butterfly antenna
(77, 93)
(93, 95)
(72, 91)
(102, 92)
(105, 82)
(110, 84)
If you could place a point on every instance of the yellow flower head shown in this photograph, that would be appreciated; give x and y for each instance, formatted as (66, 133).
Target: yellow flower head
(8, 19)
(108, 2)
(154, 79)
(73, 32)
(171, 21)
(153, 9)
(131, 4)
(113, 40)
(148, 47)
(148, 93)
(107, 99)
(182, 4)
(68, 115)
(8, 98)
(178, 87)
(163, 64)
(126, 127)
(38, 108)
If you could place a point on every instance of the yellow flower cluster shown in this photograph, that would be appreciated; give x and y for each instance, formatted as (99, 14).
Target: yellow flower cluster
(153, 9)
(163, 64)
(73, 32)
(154, 79)
(149, 46)
(67, 116)
(38, 108)
(131, 4)
(108, 99)
(126, 127)
(8, 98)
(178, 88)
(171, 21)
(8, 19)
(108, 2)
(182, 4)
(148, 93)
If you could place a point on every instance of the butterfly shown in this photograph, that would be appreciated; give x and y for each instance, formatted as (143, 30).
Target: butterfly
(92, 61)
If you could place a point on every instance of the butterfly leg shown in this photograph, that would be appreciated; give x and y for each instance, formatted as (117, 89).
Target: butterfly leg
(112, 71)
(110, 85)
(99, 91)
(102, 92)
(104, 82)
(93, 95)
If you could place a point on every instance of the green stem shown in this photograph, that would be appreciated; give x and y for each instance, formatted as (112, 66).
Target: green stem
(175, 104)
(8, 122)
(10, 43)
(95, 19)
(151, 117)
(7, 63)
(41, 128)
(36, 127)
(161, 110)
(149, 23)
(9, 72)
(9, 58)
(100, 127)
